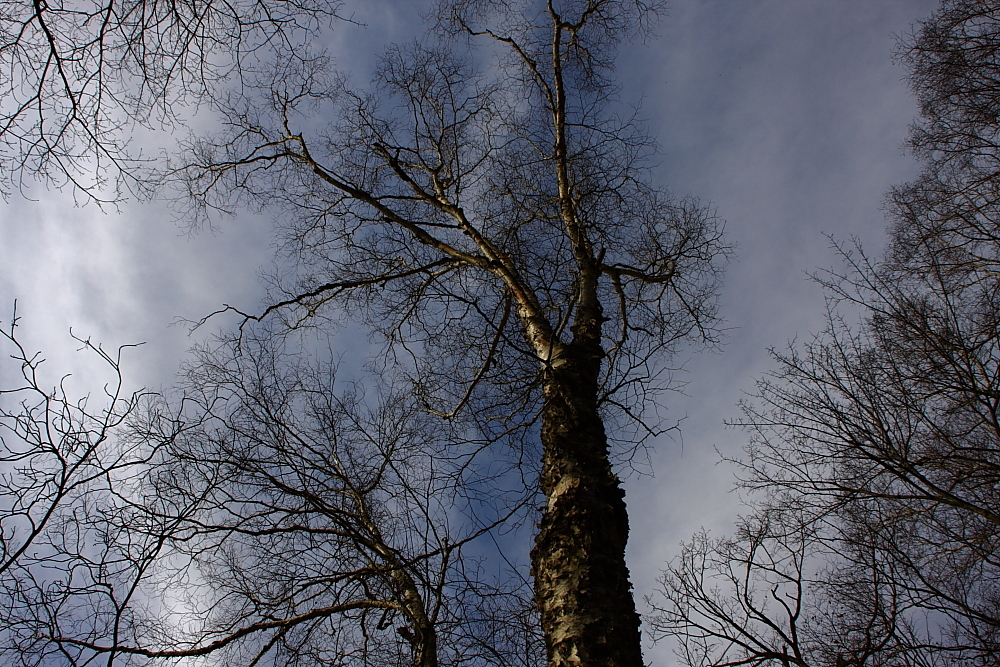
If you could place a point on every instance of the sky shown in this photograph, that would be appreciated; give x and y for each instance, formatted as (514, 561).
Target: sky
(788, 115)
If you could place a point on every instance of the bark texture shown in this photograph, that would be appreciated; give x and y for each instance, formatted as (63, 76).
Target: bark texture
(421, 634)
(582, 584)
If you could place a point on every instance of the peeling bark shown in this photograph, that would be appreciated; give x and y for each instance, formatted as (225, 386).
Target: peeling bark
(582, 586)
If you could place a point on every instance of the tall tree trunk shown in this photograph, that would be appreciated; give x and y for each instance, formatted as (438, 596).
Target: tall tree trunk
(582, 585)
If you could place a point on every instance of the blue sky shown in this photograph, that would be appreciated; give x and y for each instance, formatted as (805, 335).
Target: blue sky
(788, 115)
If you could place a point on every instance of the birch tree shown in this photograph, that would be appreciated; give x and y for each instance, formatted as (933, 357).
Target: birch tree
(486, 208)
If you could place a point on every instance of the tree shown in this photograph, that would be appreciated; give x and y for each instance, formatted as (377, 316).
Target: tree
(885, 440)
(266, 516)
(82, 75)
(497, 229)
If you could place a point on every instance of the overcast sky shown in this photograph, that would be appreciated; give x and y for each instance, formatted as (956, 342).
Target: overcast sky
(788, 115)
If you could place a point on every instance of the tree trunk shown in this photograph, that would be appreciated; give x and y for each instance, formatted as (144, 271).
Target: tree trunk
(424, 643)
(582, 587)
(421, 632)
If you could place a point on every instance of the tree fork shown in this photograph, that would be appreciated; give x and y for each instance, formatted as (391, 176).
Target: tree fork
(582, 586)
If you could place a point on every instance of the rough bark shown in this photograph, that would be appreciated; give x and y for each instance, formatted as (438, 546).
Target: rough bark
(582, 586)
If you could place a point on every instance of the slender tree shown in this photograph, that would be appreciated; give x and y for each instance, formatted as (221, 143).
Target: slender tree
(497, 228)
(52, 447)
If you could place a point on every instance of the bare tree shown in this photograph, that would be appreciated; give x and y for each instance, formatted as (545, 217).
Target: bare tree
(886, 436)
(486, 222)
(81, 75)
(269, 518)
(53, 448)
(339, 519)
(497, 228)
